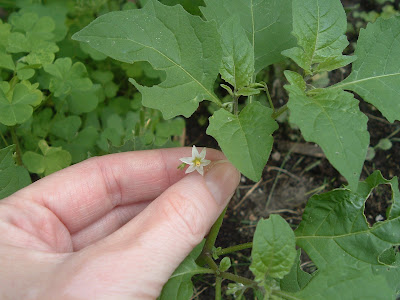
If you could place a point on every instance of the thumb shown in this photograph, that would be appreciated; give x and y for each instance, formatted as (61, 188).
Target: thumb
(140, 257)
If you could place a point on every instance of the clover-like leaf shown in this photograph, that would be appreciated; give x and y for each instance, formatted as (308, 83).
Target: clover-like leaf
(66, 128)
(334, 231)
(319, 27)
(67, 77)
(51, 160)
(245, 139)
(6, 61)
(16, 105)
(273, 250)
(268, 24)
(332, 119)
(12, 177)
(185, 47)
(375, 75)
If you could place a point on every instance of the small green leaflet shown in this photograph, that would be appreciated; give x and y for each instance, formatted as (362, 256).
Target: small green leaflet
(180, 286)
(296, 279)
(67, 127)
(334, 231)
(246, 139)
(12, 177)
(191, 6)
(319, 26)
(16, 105)
(185, 47)
(237, 54)
(273, 250)
(267, 23)
(332, 119)
(51, 160)
(375, 75)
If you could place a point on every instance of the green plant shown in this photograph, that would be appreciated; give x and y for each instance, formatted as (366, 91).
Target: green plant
(236, 39)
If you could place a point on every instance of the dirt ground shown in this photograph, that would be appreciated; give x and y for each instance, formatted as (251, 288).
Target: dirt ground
(296, 171)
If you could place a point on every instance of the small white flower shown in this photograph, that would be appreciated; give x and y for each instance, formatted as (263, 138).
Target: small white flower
(197, 161)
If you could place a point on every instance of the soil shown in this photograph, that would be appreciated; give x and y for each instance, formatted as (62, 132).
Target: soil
(296, 171)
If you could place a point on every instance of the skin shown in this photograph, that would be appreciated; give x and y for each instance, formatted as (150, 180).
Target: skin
(111, 227)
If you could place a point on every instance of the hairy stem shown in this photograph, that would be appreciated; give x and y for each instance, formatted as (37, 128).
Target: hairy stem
(280, 111)
(236, 104)
(243, 280)
(234, 249)
(218, 283)
(210, 240)
(4, 139)
(269, 97)
(17, 147)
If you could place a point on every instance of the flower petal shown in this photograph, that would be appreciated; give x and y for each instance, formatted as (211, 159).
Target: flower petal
(200, 170)
(195, 153)
(205, 162)
(190, 169)
(187, 160)
(203, 153)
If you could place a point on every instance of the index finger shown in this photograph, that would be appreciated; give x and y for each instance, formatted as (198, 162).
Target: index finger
(83, 193)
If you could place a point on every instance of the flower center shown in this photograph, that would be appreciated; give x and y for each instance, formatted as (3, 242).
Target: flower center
(197, 162)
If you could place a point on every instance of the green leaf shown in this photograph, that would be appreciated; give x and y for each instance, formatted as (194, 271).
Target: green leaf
(334, 231)
(84, 101)
(191, 6)
(225, 264)
(268, 24)
(24, 72)
(320, 28)
(184, 46)
(67, 78)
(12, 177)
(5, 30)
(332, 119)
(345, 283)
(66, 128)
(296, 279)
(245, 139)
(180, 286)
(16, 106)
(273, 250)
(6, 61)
(51, 160)
(375, 75)
(237, 54)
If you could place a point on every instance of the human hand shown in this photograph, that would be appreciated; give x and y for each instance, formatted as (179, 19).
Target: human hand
(111, 227)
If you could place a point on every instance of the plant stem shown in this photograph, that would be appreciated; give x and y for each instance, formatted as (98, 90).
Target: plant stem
(239, 279)
(269, 97)
(235, 104)
(234, 249)
(210, 240)
(218, 283)
(4, 139)
(17, 147)
(280, 111)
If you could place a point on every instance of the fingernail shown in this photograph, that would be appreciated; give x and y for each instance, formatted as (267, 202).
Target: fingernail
(222, 179)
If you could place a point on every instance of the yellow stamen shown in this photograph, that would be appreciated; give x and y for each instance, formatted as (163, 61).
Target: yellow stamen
(197, 162)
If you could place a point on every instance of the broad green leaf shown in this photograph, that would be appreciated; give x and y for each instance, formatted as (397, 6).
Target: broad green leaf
(332, 119)
(66, 128)
(320, 27)
(12, 177)
(191, 6)
(296, 279)
(345, 283)
(16, 106)
(246, 139)
(67, 78)
(334, 230)
(268, 24)
(51, 160)
(237, 54)
(273, 250)
(184, 46)
(375, 75)
(180, 286)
